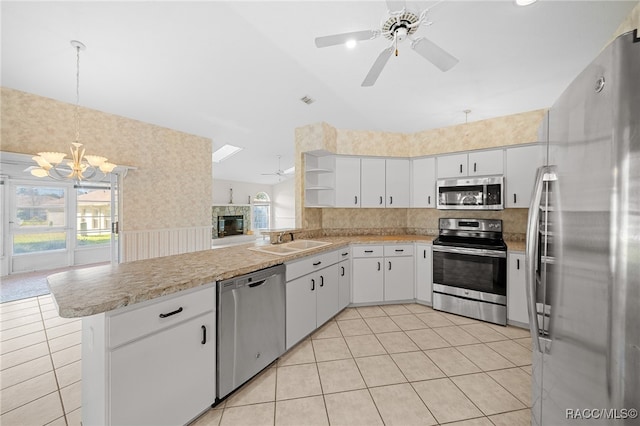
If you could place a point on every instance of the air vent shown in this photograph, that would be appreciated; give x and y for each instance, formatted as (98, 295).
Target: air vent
(307, 100)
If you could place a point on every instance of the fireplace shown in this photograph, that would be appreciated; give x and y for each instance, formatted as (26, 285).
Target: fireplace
(230, 225)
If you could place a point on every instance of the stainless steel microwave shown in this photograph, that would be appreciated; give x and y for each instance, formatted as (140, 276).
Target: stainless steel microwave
(481, 193)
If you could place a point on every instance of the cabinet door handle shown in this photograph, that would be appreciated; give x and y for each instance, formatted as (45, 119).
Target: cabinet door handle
(424, 254)
(177, 311)
(429, 200)
(517, 263)
(389, 265)
(204, 335)
(399, 250)
(460, 168)
(378, 266)
(514, 199)
(356, 200)
(345, 254)
(390, 199)
(381, 200)
(317, 263)
(368, 251)
(342, 273)
(313, 284)
(474, 167)
(321, 281)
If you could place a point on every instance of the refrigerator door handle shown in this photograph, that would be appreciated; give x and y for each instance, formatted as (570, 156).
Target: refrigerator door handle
(531, 252)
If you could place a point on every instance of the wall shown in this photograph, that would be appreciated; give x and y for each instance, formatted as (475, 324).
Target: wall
(242, 191)
(501, 131)
(154, 195)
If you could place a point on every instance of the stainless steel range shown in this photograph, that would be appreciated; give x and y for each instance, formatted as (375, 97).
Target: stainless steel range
(470, 269)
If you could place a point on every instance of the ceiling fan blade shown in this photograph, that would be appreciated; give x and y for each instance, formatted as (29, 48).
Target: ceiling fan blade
(332, 40)
(434, 54)
(377, 67)
(396, 5)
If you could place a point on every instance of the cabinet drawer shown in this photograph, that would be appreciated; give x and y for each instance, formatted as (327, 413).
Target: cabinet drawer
(311, 263)
(391, 250)
(174, 308)
(367, 251)
(345, 253)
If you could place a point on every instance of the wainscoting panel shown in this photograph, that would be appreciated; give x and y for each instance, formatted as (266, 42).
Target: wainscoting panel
(138, 245)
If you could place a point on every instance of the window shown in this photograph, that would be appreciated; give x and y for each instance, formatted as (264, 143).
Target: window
(261, 211)
(40, 219)
(94, 217)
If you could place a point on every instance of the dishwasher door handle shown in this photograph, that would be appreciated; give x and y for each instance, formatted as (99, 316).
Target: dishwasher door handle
(256, 284)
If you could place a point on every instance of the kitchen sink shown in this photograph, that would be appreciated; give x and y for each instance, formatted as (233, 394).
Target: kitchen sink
(306, 244)
(291, 247)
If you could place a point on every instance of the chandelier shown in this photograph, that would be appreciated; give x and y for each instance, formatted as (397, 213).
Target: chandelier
(80, 166)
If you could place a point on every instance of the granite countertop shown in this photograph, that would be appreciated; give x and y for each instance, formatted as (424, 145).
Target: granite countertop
(90, 291)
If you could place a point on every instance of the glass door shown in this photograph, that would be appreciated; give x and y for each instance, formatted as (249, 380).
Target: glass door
(40, 233)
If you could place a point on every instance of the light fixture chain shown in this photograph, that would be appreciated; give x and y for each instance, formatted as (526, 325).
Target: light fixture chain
(77, 93)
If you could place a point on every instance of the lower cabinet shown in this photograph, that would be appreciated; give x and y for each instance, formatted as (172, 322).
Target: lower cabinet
(382, 273)
(516, 289)
(424, 273)
(152, 364)
(310, 301)
(344, 278)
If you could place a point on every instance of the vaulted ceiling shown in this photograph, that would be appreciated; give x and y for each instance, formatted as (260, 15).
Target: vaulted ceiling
(234, 71)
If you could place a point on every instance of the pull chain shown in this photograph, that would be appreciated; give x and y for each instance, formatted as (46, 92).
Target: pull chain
(77, 93)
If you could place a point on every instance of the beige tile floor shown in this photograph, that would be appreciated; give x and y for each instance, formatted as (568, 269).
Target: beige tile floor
(393, 364)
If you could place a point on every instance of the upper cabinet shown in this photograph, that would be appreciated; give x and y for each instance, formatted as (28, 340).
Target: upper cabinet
(347, 181)
(423, 182)
(522, 163)
(372, 182)
(480, 163)
(384, 182)
(397, 178)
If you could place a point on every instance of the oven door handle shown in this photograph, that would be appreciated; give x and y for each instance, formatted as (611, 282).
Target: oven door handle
(470, 251)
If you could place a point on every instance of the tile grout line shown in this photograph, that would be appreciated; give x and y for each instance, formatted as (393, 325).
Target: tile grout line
(55, 373)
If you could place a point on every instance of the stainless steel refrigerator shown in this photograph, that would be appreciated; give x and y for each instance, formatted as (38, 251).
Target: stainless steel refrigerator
(583, 248)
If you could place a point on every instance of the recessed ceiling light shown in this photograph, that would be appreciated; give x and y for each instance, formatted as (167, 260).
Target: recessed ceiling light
(350, 44)
(225, 152)
(525, 2)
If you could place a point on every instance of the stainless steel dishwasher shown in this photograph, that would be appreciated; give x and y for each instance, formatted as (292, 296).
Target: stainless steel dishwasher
(251, 327)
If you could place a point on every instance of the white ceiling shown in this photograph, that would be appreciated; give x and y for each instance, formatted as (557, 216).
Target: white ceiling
(234, 71)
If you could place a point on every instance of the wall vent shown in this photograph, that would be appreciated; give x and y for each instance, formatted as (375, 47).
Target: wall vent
(307, 99)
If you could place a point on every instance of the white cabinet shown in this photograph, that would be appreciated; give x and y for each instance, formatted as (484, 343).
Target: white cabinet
(423, 182)
(382, 273)
(424, 272)
(397, 179)
(372, 182)
(476, 163)
(483, 163)
(312, 294)
(522, 163)
(367, 274)
(399, 272)
(384, 182)
(347, 181)
(344, 278)
(516, 289)
(153, 363)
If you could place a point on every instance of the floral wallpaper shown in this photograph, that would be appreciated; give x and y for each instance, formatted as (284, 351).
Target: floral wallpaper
(172, 168)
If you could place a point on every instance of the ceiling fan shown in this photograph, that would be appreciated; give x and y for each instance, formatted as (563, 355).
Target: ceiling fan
(400, 24)
(280, 173)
